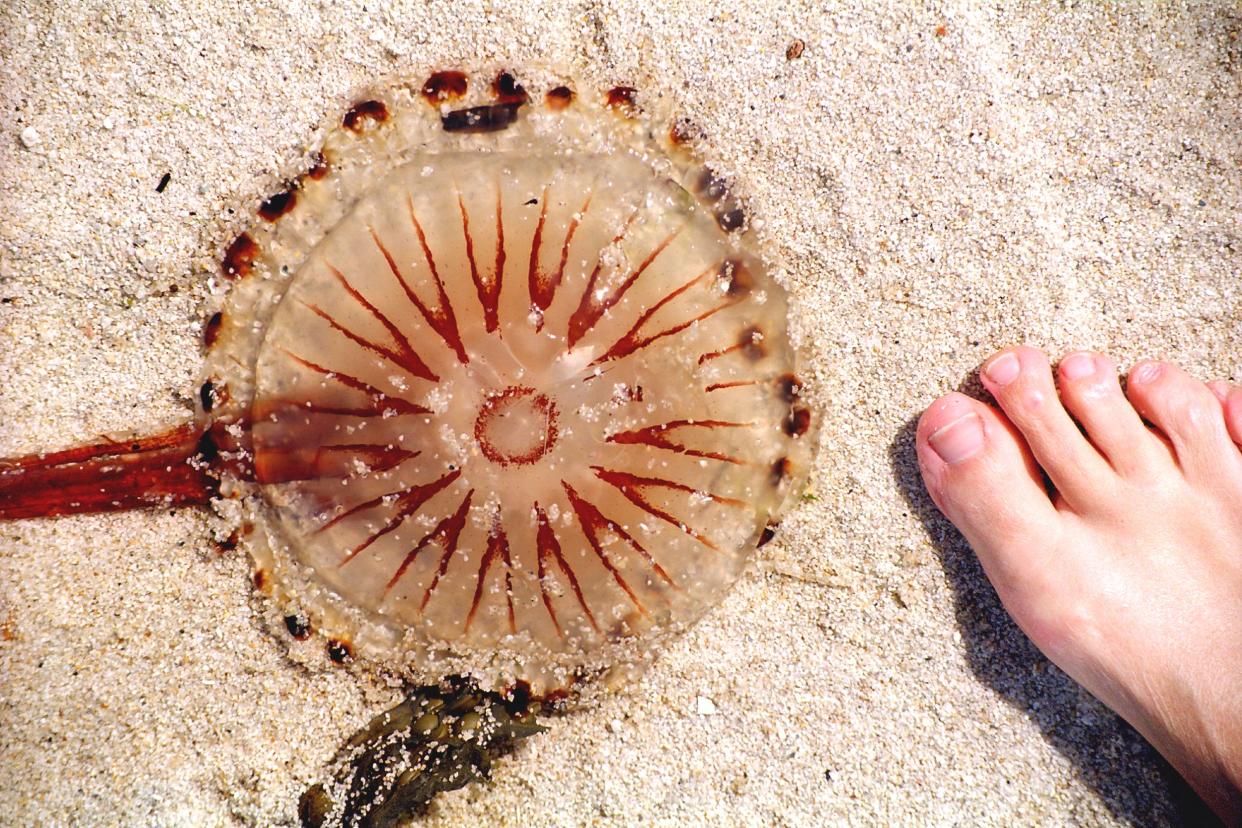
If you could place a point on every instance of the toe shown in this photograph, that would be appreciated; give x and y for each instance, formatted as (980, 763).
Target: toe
(983, 478)
(1092, 393)
(1220, 389)
(1188, 414)
(1233, 414)
(1232, 410)
(1021, 381)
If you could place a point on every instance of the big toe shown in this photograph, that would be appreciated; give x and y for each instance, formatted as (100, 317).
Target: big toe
(981, 475)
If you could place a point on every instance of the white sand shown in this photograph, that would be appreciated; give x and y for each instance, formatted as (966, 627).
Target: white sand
(1067, 177)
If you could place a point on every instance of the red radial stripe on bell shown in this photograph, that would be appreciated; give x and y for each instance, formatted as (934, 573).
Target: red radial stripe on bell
(409, 358)
(543, 285)
(284, 465)
(549, 548)
(448, 532)
(718, 386)
(397, 404)
(497, 549)
(657, 437)
(630, 485)
(590, 309)
(487, 289)
(440, 320)
(632, 341)
(594, 523)
(411, 499)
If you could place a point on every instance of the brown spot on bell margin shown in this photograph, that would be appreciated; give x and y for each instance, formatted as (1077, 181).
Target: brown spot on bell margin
(260, 580)
(298, 626)
(683, 131)
(207, 396)
(239, 258)
(738, 278)
(788, 387)
(751, 342)
(213, 393)
(363, 110)
(554, 698)
(492, 118)
(279, 204)
(798, 421)
(211, 330)
(340, 651)
(621, 98)
(319, 168)
(559, 97)
(445, 86)
(206, 449)
(508, 91)
(229, 543)
(769, 532)
(517, 698)
(731, 220)
(711, 185)
(781, 470)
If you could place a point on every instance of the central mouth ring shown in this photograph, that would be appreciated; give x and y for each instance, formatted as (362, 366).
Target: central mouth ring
(516, 426)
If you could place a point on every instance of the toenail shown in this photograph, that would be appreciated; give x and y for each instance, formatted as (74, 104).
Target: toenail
(1146, 372)
(958, 440)
(1004, 369)
(1078, 366)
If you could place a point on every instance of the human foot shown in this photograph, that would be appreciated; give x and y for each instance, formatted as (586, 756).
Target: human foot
(1129, 577)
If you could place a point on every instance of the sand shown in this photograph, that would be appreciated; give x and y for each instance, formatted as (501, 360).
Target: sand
(934, 185)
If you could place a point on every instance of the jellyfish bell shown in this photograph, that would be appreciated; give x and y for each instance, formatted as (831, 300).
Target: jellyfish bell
(501, 386)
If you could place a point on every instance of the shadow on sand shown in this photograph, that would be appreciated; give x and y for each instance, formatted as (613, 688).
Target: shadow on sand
(1130, 778)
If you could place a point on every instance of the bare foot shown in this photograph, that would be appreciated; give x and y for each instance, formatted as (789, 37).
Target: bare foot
(1130, 577)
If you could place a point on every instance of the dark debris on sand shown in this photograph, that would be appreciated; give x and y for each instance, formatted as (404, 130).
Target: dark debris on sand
(440, 738)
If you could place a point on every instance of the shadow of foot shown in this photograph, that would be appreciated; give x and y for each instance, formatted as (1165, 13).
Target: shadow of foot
(1131, 779)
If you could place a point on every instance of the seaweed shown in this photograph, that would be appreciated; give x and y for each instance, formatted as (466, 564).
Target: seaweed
(441, 737)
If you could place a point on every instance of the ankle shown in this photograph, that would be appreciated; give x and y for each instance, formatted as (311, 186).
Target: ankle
(1210, 759)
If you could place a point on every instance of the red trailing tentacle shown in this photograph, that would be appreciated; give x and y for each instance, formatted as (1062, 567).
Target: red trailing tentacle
(165, 469)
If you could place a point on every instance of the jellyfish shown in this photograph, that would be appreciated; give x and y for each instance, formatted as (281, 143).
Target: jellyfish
(500, 387)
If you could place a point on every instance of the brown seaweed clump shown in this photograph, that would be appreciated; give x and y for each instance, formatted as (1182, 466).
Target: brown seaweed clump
(438, 739)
